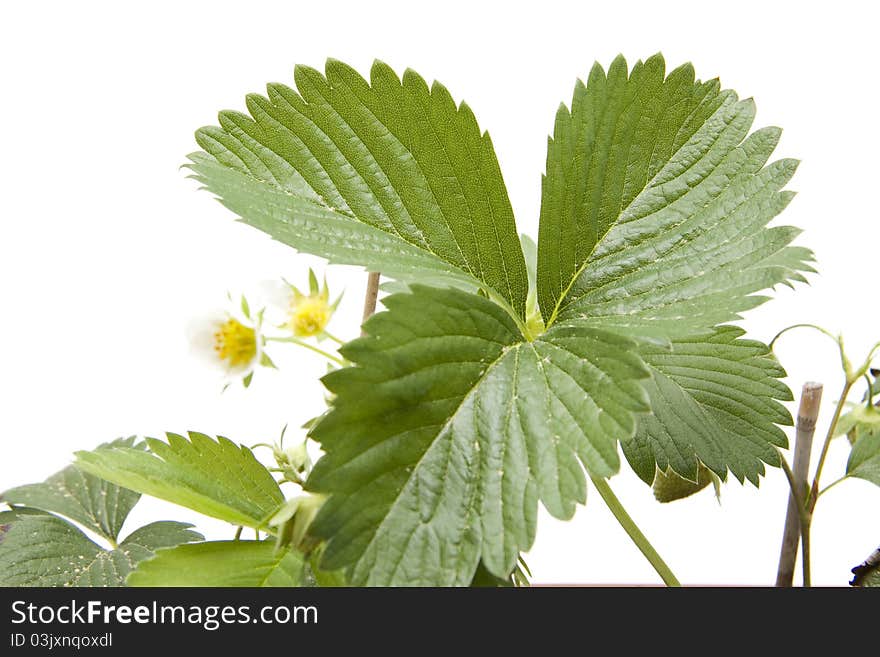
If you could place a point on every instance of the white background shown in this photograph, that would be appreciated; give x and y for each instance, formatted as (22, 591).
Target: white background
(107, 250)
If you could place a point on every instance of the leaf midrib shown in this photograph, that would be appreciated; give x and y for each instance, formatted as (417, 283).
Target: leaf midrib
(442, 428)
(580, 270)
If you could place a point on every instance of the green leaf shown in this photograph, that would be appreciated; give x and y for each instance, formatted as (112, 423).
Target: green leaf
(862, 418)
(714, 399)
(530, 253)
(655, 205)
(143, 542)
(864, 459)
(669, 487)
(321, 577)
(215, 477)
(450, 427)
(221, 563)
(391, 175)
(91, 501)
(39, 549)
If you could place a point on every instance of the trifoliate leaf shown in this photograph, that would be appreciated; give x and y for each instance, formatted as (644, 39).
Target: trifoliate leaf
(714, 399)
(391, 175)
(215, 477)
(864, 459)
(40, 549)
(221, 563)
(450, 427)
(655, 204)
(85, 498)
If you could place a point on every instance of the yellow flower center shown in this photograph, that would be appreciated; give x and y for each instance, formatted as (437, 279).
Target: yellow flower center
(235, 342)
(309, 316)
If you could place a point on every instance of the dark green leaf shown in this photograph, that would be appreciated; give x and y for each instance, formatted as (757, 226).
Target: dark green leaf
(391, 175)
(714, 399)
(44, 550)
(91, 501)
(655, 205)
(450, 428)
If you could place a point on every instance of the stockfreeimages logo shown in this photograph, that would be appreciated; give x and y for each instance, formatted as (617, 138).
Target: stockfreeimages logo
(210, 617)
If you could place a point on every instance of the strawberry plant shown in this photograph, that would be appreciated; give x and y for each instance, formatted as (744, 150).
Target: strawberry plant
(501, 373)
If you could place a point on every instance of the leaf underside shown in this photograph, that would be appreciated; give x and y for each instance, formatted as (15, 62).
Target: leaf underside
(215, 477)
(459, 428)
(221, 563)
(714, 400)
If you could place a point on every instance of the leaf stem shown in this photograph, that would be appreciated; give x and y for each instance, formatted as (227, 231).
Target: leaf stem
(630, 527)
(317, 350)
(334, 338)
(814, 489)
(371, 296)
(832, 485)
(794, 326)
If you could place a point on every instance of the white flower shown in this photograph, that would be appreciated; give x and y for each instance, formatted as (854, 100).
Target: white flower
(304, 315)
(225, 343)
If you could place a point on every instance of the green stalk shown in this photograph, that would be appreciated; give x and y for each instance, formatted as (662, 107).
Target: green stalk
(630, 527)
(317, 350)
(814, 489)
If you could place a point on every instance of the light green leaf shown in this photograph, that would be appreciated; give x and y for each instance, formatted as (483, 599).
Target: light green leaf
(862, 417)
(221, 563)
(215, 477)
(858, 420)
(669, 487)
(655, 204)
(449, 429)
(391, 175)
(39, 549)
(714, 399)
(864, 459)
(91, 501)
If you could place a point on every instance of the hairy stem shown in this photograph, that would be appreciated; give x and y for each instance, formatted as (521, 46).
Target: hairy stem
(371, 295)
(634, 532)
(797, 519)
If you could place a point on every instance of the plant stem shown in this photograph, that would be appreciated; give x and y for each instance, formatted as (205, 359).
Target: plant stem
(334, 338)
(371, 295)
(805, 551)
(832, 485)
(797, 520)
(317, 350)
(634, 532)
(814, 489)
(795, 326)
